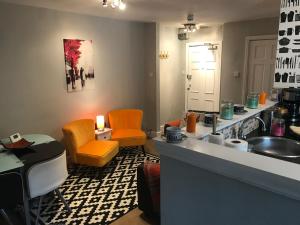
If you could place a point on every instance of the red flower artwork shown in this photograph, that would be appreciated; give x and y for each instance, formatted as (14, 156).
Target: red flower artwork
(72, 53)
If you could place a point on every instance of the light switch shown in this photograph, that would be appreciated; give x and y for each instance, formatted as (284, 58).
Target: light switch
(236, 74)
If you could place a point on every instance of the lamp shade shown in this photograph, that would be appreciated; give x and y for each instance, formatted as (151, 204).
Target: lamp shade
(100, 122)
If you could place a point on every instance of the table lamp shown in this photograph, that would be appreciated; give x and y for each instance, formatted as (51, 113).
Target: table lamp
(100, 122)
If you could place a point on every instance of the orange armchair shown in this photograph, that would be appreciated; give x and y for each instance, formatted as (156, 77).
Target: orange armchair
(79, 137)
(126, 125)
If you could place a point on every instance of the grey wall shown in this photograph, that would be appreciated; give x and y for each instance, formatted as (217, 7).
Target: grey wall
(233, 54)
(172, 75)
(193, 196)
(33, 95)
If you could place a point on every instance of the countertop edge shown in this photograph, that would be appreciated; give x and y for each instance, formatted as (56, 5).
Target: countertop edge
(283, 183)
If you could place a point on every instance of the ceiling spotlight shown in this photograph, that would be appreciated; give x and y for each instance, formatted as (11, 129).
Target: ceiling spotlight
(104, 3)
(122, 5)
(114, 4)
(190, 26)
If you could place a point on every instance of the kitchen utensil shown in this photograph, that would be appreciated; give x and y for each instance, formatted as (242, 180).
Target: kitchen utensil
(281, 32)
(285, 77)
(292, 79)
(291, 16)
(283, 17)
(290, 31)
(277, 77)
(297, 30)
(284, 50)
(284, 41)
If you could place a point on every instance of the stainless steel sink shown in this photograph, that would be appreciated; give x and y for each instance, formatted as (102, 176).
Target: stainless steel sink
(282, 148)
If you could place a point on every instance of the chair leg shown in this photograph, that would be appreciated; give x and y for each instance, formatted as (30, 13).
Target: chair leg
(39, 209)
(62, 199)
(143, 149)
(3, 213)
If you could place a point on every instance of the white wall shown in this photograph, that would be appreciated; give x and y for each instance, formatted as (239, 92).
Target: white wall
(33, 95)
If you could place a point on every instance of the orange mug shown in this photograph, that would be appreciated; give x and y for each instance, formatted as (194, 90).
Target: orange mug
(262, 98)
(191, 123)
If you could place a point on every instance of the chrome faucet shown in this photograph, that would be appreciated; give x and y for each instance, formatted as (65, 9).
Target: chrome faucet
(241, 134)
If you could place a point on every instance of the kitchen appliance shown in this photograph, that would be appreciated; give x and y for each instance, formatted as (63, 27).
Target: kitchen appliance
(291, 100)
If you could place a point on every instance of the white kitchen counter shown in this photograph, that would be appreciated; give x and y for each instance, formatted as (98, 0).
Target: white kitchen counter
(271, 174)
(202, 131)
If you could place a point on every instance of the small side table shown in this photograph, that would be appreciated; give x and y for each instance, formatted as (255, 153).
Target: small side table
(104, 134)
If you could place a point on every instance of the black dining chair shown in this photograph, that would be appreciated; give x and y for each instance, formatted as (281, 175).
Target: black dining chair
(11, 192)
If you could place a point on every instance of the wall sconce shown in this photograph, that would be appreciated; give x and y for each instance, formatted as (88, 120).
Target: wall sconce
(164, 55)
(100, 122)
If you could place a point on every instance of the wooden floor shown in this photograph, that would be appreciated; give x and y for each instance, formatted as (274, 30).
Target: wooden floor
(135, 217)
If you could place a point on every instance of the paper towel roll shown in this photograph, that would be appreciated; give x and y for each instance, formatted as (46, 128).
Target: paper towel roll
(217, 138)
(237, 144)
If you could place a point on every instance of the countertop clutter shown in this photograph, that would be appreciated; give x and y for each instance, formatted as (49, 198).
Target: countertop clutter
(272, 174)
(203, 131)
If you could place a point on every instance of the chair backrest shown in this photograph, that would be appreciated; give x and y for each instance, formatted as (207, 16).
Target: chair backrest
(125, 119)
(78, 133)
(47, 176)
(11, 190)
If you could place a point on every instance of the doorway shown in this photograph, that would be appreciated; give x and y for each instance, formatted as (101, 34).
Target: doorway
(203, 78)
(260, 56)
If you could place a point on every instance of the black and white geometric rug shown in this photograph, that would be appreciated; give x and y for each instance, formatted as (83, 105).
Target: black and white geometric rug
(98, 195)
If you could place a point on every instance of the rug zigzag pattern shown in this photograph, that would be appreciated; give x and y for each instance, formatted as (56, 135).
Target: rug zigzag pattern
(95, 195)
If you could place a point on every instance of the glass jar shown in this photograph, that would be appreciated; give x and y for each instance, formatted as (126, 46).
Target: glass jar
(278, 127)
(227, 110)
(252, 101)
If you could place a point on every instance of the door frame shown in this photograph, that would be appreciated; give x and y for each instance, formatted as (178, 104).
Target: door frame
(219, 64)
(248, 39)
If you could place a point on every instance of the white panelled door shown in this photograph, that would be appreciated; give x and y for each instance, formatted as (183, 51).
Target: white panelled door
(261, 64)
(203, 79)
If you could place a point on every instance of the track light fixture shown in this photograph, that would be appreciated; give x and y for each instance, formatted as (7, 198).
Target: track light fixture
(190, 26)
(114, 4)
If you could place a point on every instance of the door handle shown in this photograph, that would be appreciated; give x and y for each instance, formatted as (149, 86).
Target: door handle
(195, 92)
(195, 99)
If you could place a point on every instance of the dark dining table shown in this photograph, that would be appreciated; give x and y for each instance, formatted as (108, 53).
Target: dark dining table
(43, 149)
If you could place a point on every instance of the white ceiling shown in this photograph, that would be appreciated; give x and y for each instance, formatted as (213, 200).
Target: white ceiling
(168, 11)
